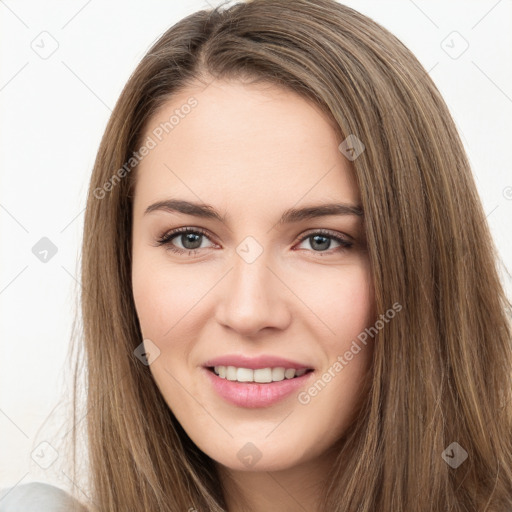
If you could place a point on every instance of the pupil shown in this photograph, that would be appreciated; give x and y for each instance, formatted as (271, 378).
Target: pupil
(326, 241)
(192, 238)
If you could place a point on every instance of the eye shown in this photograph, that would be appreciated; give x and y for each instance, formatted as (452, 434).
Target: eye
(321, 240)
(190, 239)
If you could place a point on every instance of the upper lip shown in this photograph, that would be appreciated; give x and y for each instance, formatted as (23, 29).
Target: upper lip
(254, 363)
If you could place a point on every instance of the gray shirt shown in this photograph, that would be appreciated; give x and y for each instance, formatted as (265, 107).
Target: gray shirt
(37, 497)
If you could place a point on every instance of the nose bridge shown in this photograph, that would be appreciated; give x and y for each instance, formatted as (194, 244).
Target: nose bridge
(252, 297)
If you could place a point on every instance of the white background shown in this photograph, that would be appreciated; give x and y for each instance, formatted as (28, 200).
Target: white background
(54, 112)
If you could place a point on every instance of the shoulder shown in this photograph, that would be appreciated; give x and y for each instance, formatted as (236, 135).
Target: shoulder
(37, 497)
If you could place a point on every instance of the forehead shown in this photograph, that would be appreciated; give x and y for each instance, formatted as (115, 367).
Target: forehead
(243, 141)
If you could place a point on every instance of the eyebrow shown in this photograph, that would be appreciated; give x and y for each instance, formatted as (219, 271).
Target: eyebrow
(291, 215)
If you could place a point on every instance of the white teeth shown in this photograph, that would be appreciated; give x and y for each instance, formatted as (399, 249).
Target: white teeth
(261, 375)
(289, 373)
(231, 373)
(277, 373)
(244, 375)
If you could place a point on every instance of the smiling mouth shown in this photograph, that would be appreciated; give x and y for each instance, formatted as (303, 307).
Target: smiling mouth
(259, 376)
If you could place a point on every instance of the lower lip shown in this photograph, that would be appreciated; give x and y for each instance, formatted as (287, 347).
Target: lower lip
(254, 394)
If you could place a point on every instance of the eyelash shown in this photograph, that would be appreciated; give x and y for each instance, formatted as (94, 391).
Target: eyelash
(167, 237)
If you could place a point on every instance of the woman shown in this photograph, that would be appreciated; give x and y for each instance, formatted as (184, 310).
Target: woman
(290, 295)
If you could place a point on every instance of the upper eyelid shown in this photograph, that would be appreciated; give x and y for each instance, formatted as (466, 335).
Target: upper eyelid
(326, 232)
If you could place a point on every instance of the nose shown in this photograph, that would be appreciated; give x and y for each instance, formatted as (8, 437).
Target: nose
(252, 298)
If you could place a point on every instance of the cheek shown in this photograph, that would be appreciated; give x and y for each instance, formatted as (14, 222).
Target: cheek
(163, 302)
(345, 306)
(342, 301)
(151, 302)
(162, 296)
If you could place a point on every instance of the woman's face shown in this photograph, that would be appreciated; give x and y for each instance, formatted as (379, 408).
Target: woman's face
(243, 286)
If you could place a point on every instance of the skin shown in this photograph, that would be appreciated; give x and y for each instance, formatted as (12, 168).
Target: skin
(252, 151)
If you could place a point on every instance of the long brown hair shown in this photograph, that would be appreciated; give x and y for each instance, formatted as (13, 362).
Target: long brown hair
(442, 369)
